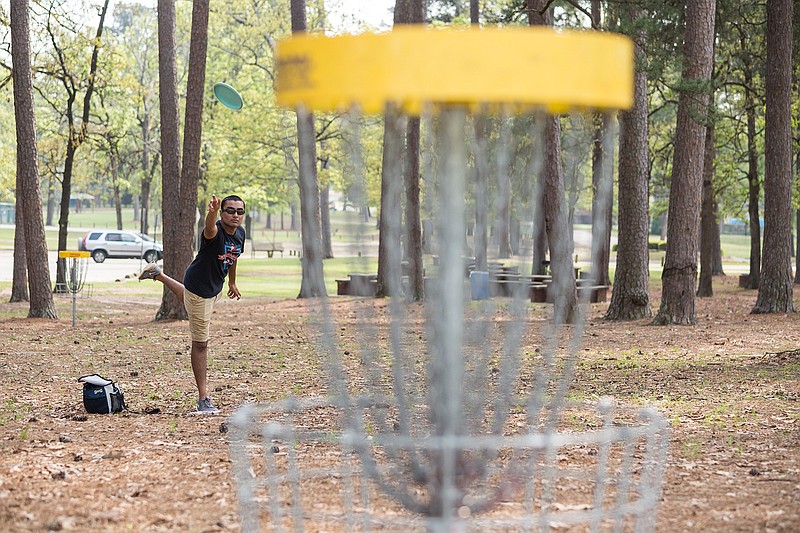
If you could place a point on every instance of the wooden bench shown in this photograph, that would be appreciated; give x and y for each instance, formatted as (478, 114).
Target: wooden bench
(266, 246)
(540, 293)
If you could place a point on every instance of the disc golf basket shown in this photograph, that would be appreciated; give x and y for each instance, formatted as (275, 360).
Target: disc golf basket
(451, 415)
(74, 285)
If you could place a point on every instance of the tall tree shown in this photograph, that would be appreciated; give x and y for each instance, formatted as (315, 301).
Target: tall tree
(413, 12)
(630, 298)
(170, 308)
(392, 172)
(136, 31)
(708, 213)
(747, 58)
(179, 238)
(679, 277)
(390, 216)
(602, 185)
(559, 235)
(78, 131)
(775, 289)
(29, 194)
(708, 218)
(313, 282)
(325, 217)
(192, 134)
(19, 280)
(481, 236)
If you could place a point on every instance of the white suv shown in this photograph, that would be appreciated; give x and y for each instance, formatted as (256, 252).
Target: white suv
(118, 243)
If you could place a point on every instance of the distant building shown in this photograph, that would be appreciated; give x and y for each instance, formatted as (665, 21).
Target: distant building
(6, 213)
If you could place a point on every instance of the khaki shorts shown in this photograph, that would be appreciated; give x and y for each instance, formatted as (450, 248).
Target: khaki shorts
(199, 310)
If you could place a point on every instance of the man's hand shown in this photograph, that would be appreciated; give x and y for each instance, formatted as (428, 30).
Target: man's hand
(214, 204)
(233, 291)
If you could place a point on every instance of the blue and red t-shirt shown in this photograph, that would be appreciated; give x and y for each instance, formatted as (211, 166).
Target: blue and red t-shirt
(207, 273)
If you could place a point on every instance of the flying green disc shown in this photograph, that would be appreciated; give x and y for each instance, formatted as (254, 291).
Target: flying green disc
(228, 95)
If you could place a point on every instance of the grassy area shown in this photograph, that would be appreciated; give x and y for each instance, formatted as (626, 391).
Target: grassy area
(280, 276)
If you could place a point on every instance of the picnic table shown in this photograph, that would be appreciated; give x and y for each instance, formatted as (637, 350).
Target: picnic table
(357, 284)
(266, 246)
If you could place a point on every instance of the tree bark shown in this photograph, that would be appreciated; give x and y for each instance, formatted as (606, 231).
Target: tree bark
(170, 308)
(413, 222)
(29, 193)
(753, 181)
(313, 281)
(147, 178)
(775, 289)
(679, 277)
(559, 234)
(630, 298)
(396, 176)
(797, 229)
(716, 264)
(389, 220)
(114, 171)
(412, 215)
(189, 177)
(602, 199)
(325, 221)
(502, 227)
(19, 281)
(708, 222)
(76, 137)
(602, 185)
(480, 239)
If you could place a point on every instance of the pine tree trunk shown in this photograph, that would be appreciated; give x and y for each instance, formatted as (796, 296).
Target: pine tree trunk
(559, 233)
(481, 237)
(29, 194)
(602, 198)
(775, 289)
(716, 267)
(797, 229)
(390, 215)
(188, 225)
(630, 298)
(412, 215)
(19, 283)
(171, 308)
(77, 134)
(708, 222)
(558, 230)
(325, 221)
(313, 282)
(679, 276)
(753, 183)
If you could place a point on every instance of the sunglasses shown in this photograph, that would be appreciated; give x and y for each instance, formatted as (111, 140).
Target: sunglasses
(232, 211)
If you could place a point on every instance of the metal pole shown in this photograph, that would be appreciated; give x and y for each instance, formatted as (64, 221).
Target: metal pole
(73, 287)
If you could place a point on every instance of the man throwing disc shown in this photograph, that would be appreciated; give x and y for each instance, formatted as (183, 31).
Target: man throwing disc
(221, 246)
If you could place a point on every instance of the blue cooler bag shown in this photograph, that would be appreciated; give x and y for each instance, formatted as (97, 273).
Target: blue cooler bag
(101, 395)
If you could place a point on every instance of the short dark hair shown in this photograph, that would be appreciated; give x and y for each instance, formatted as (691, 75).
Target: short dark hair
(232, 198)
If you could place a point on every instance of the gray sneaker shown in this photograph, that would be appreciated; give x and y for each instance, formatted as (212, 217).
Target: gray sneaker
(206, 407)
(150, 271)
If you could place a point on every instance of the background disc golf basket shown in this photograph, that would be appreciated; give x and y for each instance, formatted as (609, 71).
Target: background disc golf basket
(75, 278)
(452, 414)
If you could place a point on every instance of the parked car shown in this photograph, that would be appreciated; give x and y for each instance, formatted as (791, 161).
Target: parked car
(118, 243)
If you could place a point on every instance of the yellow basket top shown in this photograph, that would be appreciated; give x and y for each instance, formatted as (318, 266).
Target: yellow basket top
(73, 254)
(413, 66)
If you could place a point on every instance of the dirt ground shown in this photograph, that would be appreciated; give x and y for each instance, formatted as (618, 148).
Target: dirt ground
(729, 387)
